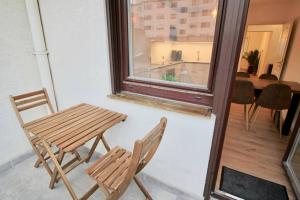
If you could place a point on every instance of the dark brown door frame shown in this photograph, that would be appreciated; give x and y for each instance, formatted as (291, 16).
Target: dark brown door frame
(234, 17)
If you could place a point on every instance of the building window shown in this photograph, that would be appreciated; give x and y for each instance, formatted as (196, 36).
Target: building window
(183, 9)
(183, 21)
(193, 26)
(173, 33)
(174, 63)
(194, 14)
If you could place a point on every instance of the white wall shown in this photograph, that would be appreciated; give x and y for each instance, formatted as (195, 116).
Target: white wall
(292, 72)
(280, 13)
(18, 74)
(272, 49)
(76, 35)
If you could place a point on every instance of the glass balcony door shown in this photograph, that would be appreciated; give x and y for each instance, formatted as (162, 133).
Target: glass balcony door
(292, 165)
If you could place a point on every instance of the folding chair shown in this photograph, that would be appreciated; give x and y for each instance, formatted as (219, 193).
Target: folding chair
(114, 171)
(27, 101)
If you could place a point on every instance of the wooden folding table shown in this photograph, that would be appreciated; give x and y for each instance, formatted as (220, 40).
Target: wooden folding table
(70, 129)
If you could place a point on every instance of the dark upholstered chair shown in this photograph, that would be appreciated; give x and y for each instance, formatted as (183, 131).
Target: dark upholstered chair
(276, 97)
(243, 74)
(243, 93)
(268, 77)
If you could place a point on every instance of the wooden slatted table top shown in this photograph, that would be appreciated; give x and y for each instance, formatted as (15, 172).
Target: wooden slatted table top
(73, 127)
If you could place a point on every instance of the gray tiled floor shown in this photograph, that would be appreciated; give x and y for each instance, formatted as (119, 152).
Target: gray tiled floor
(23, 181)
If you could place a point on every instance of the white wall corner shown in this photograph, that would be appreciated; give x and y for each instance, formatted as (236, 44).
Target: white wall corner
(40, 49)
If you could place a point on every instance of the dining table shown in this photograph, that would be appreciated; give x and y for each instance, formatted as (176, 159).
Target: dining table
(67, 131)
(260, 84)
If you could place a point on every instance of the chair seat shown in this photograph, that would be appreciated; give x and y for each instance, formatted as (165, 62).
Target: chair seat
(111, 169)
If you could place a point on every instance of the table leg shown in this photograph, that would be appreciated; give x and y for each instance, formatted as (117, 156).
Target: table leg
(96, 142)
(60, 171)
(107, 147)
(291, 114)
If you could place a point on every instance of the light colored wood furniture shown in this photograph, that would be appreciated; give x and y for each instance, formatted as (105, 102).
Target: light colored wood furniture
(70, 129)
(114, 171)
(260, 84)
(25, 102)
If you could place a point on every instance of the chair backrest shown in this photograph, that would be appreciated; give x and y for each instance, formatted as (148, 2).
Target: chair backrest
(143, 151)
(275, 96)
(243, 74)
(268, 77)
(243, 92)
(30, 100)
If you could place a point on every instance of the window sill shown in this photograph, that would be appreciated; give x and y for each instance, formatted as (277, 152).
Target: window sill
(170, 105)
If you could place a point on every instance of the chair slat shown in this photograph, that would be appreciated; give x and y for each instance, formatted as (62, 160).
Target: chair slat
(122, 169)
(111, 169)
(95, 165)
(106, 162)
(33, 105)
(146, 147)
(22, 96)
(31, 100)
(118, 181)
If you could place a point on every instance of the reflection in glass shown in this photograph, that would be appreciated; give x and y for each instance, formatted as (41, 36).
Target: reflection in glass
(295, 161)
(172, 40)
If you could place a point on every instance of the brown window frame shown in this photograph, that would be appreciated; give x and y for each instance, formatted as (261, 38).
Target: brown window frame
(119, 58)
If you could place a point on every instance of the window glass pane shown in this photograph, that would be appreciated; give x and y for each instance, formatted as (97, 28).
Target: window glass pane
(171, 41)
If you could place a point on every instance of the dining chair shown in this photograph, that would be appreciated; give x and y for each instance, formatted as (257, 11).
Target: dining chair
(276, 97)
(243, 74)
(115, 170)
(25, 102)
(243, 93)
(268, 77)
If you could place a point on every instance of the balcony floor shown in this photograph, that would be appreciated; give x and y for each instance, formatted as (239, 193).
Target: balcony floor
(23, 181)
